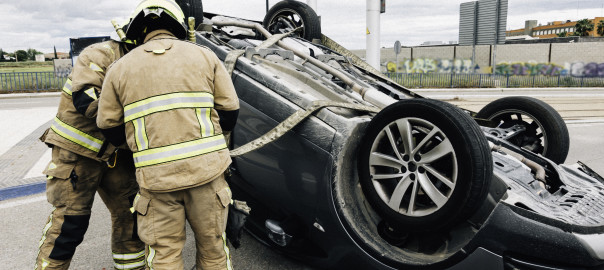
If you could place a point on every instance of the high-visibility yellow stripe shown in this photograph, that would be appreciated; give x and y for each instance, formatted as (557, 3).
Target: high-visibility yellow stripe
(226, 250)
(44, 232)
(45, 264)
(136, 198)
(67, 87)
(91, 93)
(167, 102)
(68, 132)
(127, 266)
(179, 151)
(95, 67)
(128, 256)
(205, 121)
(140, 134)
(150, 258)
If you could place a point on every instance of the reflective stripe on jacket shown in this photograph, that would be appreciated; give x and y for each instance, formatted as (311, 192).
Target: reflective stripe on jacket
(166, 92)
(71, 130)
(202, 102)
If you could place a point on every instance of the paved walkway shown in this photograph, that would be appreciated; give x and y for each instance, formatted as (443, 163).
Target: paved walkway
(22, 156)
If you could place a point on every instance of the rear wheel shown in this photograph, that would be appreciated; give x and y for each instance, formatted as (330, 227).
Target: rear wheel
(424, 165)
(544, 132)
(288, 15)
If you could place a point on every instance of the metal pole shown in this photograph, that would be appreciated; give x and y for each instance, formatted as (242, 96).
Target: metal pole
(497, 10)
(373, 33)
(266, 6)
(474, 37)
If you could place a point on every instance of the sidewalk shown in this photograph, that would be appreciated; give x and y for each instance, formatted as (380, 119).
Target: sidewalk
(30, 95)
(22, 156)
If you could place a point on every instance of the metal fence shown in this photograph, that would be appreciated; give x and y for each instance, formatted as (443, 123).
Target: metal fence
(38, 81)
(30, 81)
(451, 80)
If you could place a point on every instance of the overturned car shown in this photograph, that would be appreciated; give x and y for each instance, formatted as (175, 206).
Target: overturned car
(345, 169)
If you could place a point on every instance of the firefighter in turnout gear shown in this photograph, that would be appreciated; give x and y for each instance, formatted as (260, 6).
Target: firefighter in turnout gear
(83, 162)
(171, 101)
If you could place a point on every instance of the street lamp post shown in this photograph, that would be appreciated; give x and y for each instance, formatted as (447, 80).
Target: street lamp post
(373, 33)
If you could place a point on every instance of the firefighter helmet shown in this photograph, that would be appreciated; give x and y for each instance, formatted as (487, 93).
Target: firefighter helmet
(151, 15)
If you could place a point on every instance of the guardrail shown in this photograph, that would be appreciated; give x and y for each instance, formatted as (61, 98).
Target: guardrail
(452, 80)
(30, 81)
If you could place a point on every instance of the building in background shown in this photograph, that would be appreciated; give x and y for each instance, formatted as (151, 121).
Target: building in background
(551, 29)
(60, 55)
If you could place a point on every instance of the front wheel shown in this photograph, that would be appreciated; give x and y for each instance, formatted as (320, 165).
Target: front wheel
(424, 165)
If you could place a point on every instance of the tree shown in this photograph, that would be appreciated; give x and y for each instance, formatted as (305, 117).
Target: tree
(1, 55)
(583, 27)
(21, 55)
(600, 28)
(31, 54)
(562, 34)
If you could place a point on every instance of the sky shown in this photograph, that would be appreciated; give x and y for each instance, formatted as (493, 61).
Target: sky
(42, 24)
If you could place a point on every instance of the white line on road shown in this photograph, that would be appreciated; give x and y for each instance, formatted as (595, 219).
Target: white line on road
(586, 121)
(19, 202)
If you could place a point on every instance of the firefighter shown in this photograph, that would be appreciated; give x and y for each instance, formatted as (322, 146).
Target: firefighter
(83, 162)
(171, 101)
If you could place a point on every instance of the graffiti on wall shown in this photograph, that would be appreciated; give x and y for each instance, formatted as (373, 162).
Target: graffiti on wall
(62, 67)
(524, 69)
(464, 66)
(578, 69)
(587, 70)
(427, 65)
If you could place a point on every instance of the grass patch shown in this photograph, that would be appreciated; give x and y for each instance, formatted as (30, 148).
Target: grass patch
(28, 66)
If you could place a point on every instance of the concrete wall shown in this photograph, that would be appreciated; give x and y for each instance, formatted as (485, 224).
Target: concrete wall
(483, 59)
(578, 52)
(523, 53)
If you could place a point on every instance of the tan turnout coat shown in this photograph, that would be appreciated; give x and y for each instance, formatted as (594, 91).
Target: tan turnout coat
(70, 129)
(172, 125)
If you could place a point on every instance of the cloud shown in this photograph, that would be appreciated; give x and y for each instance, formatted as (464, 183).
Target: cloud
(42, 24)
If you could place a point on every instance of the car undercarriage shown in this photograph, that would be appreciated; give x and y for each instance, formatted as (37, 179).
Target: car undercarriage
(344, 168)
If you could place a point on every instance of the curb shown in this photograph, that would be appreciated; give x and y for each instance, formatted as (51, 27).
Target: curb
(30, 95)
(23, 190)
(503, 90)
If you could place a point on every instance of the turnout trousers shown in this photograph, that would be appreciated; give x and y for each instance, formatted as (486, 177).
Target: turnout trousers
(72, 183)
(162, 219)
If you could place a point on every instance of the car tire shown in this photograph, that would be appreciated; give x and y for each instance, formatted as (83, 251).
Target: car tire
(547, 126)
(290, 14)
(438, 192)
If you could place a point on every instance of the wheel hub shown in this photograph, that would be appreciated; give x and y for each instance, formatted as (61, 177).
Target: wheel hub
(413, 167)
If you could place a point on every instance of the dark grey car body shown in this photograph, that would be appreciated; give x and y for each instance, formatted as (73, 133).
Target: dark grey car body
(306, 181)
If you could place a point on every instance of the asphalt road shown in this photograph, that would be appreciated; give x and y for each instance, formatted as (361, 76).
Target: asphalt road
(22, 219)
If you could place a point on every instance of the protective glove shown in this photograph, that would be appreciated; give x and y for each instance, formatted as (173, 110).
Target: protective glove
(238, 213)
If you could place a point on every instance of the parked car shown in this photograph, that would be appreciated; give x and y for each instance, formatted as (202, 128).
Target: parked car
(358, 172)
